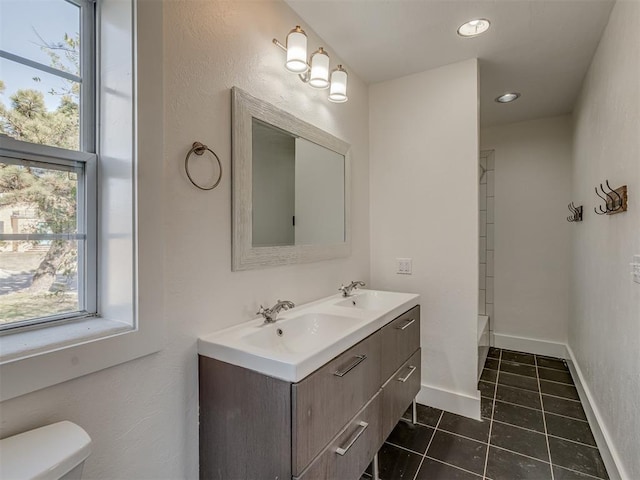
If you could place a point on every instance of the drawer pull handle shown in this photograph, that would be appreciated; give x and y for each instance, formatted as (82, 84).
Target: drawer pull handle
(406, 325)
(406, 377)
(357, 360)
(361, 428)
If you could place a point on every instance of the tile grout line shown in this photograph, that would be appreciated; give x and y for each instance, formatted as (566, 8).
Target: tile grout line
(493, 407)
(453, 466)
(429, 444)
(581, 473)
(539, 410)
(574, 441)
(404, 448)
(568, 417)
(544, 418)
(464, 436)
(543, 379)
(521, 454)
(542, 433)
(533, 391)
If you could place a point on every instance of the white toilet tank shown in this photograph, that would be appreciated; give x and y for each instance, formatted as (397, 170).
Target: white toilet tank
(54, 452)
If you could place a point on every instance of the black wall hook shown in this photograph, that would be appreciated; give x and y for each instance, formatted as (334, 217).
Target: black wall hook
(576, 213)
(615, 201)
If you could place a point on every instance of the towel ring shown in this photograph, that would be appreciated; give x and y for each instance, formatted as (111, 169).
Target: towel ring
(199, 149)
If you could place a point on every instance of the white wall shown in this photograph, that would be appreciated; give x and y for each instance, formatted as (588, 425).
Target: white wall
(532, 184)
(604, 327)
(142, 415)
(424, 205)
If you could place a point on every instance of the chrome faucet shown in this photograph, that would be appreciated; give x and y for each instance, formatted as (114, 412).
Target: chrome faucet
(346, 291)
(270, 315)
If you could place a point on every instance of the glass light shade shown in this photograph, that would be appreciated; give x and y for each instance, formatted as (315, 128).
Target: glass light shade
(297, 51)
(319, 77)
(338, 91)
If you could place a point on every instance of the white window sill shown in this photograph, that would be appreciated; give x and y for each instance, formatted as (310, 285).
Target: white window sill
(40, 358)
(16, 346)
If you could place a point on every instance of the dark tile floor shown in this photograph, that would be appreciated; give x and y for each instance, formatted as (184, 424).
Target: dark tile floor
(533, 427)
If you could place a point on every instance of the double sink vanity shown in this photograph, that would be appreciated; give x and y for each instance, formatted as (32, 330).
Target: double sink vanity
(312, 394)
(307, 392)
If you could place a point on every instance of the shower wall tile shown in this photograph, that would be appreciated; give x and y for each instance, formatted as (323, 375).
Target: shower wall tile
(490, 184)
(489, 310)
(490, 236)
(489, 263)
(490, 210)
(489, 290)
(486, 240)
(483, 197)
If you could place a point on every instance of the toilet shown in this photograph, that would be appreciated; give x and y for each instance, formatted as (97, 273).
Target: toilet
(53, 452)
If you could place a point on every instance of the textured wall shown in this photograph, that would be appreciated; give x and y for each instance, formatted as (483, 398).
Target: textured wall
(424, 205)
(532, 235)
(604, 327)
(142, 415)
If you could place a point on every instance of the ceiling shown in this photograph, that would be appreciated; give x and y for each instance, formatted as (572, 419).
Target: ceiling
(540, 48)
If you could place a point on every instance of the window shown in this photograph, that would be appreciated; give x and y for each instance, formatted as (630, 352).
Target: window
(131, 321)
(47, 161)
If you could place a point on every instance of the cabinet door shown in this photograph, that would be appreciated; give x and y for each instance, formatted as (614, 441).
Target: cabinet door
(399, 392)
(326, 400)
(400, 339)
(348, 455)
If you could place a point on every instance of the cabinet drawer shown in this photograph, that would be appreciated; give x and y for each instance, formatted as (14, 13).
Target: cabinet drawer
(399, 391)
(326, 400)
(400, 339)
(348, 455)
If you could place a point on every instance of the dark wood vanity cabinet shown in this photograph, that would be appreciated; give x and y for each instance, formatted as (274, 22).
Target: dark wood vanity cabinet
(327, 426)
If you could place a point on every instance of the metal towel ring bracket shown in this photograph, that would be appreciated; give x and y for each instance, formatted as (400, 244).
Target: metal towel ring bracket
(199, 149)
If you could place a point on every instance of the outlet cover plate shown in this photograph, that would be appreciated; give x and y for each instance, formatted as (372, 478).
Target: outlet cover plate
(405, 266)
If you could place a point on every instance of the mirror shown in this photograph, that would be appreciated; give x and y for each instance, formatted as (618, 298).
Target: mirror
(290, 188)
(297, 191)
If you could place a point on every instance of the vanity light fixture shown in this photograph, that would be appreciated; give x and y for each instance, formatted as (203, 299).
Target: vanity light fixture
(508, 97)
(474, 27)
(316, 71)
(338, 91)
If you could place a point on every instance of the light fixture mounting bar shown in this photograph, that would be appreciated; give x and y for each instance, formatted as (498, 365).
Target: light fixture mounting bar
(277, 43)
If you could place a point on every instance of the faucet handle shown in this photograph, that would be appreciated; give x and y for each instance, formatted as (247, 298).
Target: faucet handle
(261, 311)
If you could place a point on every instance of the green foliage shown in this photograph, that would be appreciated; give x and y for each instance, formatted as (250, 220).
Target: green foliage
(29, 120)
(51, 193)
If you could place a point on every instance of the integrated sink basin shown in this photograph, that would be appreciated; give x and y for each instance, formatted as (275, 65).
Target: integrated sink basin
(371, 300)
(308, 336)
(300, 334)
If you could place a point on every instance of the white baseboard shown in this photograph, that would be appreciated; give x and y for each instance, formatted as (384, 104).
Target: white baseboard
(608, 452)
(454, 402)
(530, 345)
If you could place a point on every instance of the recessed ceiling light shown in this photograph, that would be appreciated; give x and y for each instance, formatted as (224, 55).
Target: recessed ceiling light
(508, 97)
(474, 27)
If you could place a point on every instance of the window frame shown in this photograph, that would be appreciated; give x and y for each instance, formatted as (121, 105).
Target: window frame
(20, 152)
(133, 321)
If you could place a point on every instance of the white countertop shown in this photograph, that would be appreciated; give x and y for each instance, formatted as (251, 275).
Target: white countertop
(308, 336)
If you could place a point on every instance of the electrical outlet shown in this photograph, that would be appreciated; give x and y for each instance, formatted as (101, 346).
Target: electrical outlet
(404, 266)
(635, 268)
